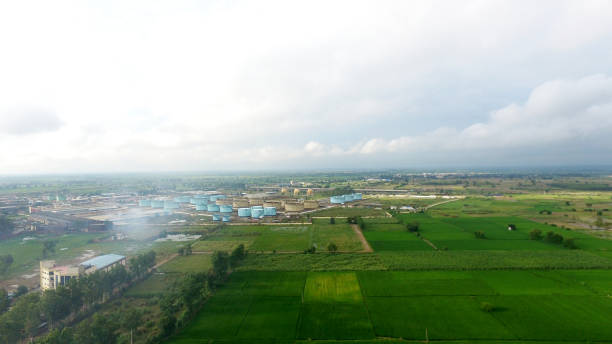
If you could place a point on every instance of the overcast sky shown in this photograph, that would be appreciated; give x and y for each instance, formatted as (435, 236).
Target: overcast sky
(125, 86)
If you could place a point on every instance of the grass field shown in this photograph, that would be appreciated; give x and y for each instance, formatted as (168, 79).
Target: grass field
(186, 264)
(281, 238)
(156, 284)
(345, 212)
(265, 307)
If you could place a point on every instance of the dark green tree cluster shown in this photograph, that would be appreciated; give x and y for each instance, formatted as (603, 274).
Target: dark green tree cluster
(412, 227)
(553, 238)
(140, 264)
(185, 251)
(6, 225)
(5, 263)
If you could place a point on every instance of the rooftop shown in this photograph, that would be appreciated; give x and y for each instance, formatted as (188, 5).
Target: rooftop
(101, 262)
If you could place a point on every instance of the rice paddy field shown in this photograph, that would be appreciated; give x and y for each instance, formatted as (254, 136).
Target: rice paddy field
(440, 284)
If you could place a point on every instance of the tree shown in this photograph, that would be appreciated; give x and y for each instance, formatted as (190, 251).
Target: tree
(535, 234)
(167, 324)
(412, 227)
(5, 263)
(553, 238)
(21, 290)
(570, 243)
(332, 248)
(220, 262)
(332, 221)
(100, 329)
(237, 255)
(6, 225)
(312, 249)
(130, 319)
(479, 235)
(4, 300)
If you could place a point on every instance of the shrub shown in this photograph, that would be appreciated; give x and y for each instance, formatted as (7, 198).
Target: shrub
(554, 238)
(332, 221)
(332, 248)
(479, 235)
(570, 243)
(412, 227)
(487, 307)
(535, 234)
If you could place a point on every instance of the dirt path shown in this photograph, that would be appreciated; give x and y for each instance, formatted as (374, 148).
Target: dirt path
(364, 242)
(435, 204)
(430, 244)
(165, 261)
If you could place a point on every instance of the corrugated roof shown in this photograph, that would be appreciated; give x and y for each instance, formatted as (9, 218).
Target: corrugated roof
(101, 262)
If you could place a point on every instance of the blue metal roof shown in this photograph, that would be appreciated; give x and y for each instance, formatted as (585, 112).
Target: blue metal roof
(100, 262)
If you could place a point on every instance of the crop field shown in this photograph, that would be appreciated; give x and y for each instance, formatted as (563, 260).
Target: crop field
(156, 284)
(345, 212)
(186, 264)
(281, 238)
(366, 306)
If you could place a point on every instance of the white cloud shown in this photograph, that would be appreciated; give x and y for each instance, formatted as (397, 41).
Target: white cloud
(189, 86)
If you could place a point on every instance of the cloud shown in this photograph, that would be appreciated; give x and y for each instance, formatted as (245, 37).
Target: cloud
(27, 121)
(558, 112)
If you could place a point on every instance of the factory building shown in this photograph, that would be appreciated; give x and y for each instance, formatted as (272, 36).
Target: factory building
(53, 276)
(102, 263)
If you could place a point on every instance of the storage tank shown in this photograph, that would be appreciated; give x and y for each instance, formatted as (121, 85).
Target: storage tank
(255, 201)
(240, 203)
(226, 208)
(144, 203)
(296, 192)
(309, 192)
(226, 218)
(336, 199)
(182, 199)
(311, 204)
(357, 196)
(283, 190)
(170, 205)
(244, 212)
(349, 198)
(199, 201)
(257, 213)
(157, 203)
(212, 207)
(294, 206)
(216, 217)
(201, 207)
(269, 211)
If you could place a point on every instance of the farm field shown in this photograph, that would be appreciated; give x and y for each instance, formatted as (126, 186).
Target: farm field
(345, 212)
(281, 238)
(365, 306)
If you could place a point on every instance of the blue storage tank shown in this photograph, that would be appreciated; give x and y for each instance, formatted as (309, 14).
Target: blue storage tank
(170, 205)
(144, 203)
(257, 207)
(336, 199)
(257, 213)
(357, 196)
(201, 207)
(270, 211)
(216, 217)
(244, 212)
(212, 207)
(200, 201)
(226, 218)
(226, 208)
(156, 203)
(349, 198)
(182, 199)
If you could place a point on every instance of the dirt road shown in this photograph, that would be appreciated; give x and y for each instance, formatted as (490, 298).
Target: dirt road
(364, 242)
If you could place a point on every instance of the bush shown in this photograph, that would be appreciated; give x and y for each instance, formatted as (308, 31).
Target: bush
(332, 248)
(554, 238)
(332, 221)
(312, 249)
(536, 234)
(479, 235)
(412, 227)
(570, 243)
(487, 307)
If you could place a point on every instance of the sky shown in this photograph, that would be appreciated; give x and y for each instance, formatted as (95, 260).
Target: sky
(157, 86)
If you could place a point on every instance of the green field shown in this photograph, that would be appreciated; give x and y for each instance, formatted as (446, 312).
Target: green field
(281, 238)
(440, 305)
(345, 212)
(186, 264)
